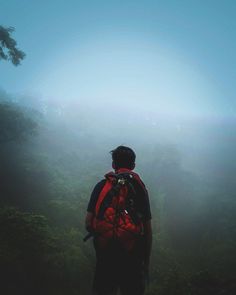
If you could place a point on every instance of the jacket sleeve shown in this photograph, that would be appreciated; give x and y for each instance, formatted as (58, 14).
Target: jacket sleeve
(143, 203)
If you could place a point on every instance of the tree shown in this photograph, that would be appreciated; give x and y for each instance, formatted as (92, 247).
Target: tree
(8, 49)
(15, 124)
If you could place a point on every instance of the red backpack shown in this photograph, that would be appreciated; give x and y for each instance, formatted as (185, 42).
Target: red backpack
(116, 218)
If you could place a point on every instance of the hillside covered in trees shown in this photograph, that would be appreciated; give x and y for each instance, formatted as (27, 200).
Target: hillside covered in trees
(51, 156)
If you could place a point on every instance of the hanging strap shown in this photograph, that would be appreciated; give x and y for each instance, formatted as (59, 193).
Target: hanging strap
(107, 187)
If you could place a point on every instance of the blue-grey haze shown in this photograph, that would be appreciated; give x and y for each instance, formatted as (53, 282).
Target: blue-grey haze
(179, 52)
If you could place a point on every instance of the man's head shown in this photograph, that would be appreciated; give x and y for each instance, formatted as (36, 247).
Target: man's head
(123, 157)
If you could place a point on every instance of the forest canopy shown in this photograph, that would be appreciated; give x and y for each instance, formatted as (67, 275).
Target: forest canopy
(53, 162)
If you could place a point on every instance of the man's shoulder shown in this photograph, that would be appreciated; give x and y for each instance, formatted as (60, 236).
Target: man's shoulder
(137, 181)
(100, 184)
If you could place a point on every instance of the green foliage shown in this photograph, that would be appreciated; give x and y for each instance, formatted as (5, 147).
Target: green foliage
(19, 165)
(8, 49)
(15, 125)
(49, 179)
(38, 257)
(25, 243)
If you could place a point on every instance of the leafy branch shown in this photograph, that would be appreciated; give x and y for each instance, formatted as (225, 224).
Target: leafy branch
(8, 46)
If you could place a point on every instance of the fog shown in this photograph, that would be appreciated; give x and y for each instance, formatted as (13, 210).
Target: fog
(160, 81)
(136, 94)
(57, 148)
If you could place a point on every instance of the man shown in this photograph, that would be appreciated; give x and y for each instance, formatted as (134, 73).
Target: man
(119, 218)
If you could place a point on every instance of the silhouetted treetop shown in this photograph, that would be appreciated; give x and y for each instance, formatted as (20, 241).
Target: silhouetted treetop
(8, 49)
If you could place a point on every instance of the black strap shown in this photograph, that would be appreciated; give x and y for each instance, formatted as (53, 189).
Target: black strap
(87, 237)
(120, 180)
(114, 191)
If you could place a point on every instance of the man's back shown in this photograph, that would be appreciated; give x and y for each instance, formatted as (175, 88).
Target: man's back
(119, 218)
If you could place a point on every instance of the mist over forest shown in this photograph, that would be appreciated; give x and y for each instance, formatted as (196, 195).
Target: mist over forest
(53, 153)
(78, 79)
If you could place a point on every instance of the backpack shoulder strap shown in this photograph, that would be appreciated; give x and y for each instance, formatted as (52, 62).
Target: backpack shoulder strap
(107, 187)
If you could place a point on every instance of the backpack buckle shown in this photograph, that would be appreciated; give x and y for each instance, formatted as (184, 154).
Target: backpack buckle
(121, 181)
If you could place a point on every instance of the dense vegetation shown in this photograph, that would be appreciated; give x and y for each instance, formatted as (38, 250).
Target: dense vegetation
(50, 158)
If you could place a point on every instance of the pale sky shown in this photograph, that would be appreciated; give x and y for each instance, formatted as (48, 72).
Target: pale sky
(160, 55)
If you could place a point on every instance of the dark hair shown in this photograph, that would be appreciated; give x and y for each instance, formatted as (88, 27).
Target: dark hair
(123, 157)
